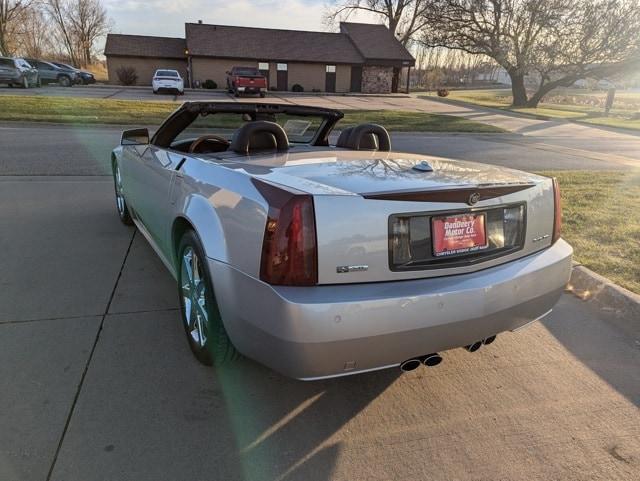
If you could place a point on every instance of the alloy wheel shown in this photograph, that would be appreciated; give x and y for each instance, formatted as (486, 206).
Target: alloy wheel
(120, 203)
(194, 294)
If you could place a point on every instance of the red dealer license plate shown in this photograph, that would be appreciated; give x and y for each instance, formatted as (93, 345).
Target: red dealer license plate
(458, 234)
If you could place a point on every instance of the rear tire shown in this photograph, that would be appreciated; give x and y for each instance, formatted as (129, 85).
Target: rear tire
(262, 95)
(201, 318)
(25, 83)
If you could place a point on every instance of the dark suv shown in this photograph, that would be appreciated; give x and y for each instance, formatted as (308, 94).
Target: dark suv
(50, 73)
(84, 77)
(16, 71)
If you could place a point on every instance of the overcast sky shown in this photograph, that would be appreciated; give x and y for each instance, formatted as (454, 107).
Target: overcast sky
(167, 17)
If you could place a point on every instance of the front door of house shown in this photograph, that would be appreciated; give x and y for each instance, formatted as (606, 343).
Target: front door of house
(330, 78)
(283, 77)
(356, 78)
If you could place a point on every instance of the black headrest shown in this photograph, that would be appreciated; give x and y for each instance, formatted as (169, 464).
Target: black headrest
(259, 135)
(369, 142)
(360, 138)
(343, 139)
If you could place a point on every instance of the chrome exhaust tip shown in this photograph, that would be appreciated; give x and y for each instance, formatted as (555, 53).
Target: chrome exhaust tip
(474, 347)
(410, 364)
(431, 360)
(489, 340)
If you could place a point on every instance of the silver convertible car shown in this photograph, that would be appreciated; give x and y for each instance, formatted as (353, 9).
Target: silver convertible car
(321, 255)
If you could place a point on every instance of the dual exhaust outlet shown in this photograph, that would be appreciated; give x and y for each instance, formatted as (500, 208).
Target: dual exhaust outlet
(434, 359)
(428, 360)
(478, 344)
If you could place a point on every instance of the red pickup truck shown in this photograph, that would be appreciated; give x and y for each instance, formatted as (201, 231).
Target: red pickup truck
(246, 80)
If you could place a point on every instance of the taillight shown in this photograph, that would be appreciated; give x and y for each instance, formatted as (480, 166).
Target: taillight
(557, 211)
(289, 247)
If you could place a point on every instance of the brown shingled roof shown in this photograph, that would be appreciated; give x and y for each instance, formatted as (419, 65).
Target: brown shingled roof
(144, 46)
(376, 42)
(270, 44)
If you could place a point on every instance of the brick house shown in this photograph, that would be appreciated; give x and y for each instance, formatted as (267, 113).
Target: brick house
(360, 58)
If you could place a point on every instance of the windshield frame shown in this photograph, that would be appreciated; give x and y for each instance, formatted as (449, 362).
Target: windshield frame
(182, 118)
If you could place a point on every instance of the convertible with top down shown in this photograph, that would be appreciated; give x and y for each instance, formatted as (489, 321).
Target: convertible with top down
(322, 254)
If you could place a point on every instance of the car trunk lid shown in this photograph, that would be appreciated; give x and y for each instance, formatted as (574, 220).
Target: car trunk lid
(383, 217)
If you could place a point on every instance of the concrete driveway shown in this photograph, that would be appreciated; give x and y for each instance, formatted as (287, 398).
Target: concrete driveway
(97, 381)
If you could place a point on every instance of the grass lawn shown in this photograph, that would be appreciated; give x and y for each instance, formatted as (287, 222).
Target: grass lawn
(134, 112)
(602, 222)
(576, 104)
(402, 121)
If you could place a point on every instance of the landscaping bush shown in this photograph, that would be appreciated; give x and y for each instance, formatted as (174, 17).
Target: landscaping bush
(273, 88)
(297, 88)
(443, 93)
(316, 90)
(127, 75)
(209, 84)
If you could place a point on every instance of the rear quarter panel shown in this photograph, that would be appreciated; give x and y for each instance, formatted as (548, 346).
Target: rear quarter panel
(225, 209)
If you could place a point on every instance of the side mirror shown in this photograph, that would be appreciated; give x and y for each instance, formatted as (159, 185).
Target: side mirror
(135, 137)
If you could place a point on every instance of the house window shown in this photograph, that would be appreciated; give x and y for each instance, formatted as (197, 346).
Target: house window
(281, 67)
(331, 69)
(263, 65)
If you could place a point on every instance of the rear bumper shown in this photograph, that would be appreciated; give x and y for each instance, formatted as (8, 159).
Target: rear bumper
(333, 330)
(251, 90)
(167, 87)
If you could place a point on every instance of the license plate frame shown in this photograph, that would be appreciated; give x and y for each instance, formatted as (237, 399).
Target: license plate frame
(459, 234)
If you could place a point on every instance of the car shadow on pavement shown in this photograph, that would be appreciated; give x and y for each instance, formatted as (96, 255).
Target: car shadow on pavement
(283, 427)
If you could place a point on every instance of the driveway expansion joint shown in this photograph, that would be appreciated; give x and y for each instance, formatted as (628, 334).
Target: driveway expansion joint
(89, 358)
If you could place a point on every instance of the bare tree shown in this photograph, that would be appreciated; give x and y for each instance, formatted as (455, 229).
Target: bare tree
(59, 12)
(79, 23)
(555, 41)
(11, 13)
(404, 18)
(89, 22)
(34, 36)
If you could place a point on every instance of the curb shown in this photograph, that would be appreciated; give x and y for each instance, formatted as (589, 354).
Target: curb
(609, 297)
(274, 93)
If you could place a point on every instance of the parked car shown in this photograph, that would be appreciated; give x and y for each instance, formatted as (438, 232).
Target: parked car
(17, 71)
(322, 261)
(83, 77)
(246, 80)
(167, 80)
(50, 73)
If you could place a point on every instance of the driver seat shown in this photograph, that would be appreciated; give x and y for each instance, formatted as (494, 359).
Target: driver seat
(259, 135)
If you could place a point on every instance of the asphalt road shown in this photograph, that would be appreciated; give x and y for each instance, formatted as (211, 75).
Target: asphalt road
(573, 145)
(84, 150)
(97, 381)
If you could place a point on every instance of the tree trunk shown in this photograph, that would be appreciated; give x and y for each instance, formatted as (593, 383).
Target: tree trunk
(536, 98)
(518, 90)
